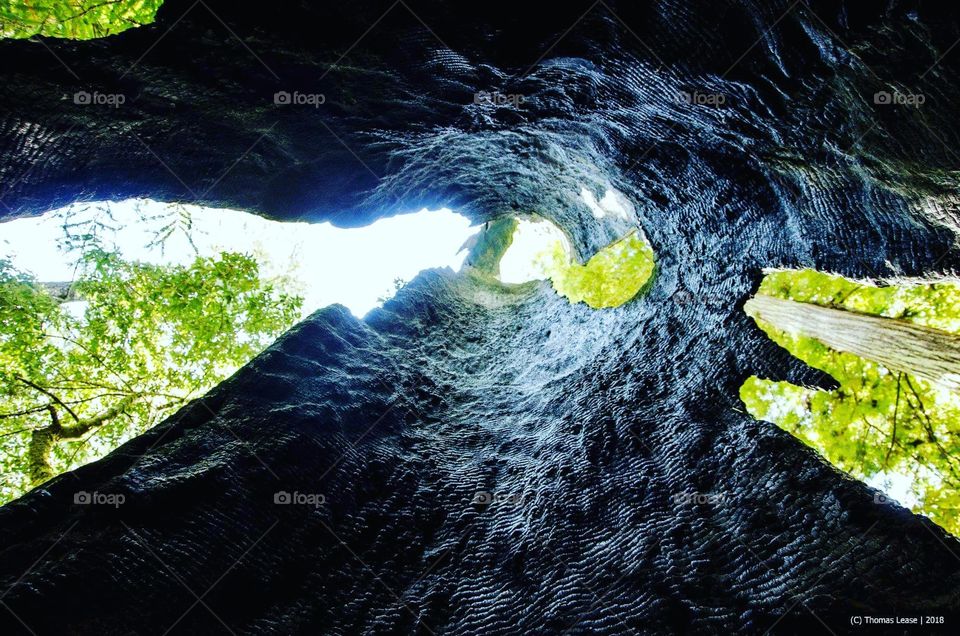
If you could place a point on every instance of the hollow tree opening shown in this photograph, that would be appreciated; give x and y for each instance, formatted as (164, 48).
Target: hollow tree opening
(519, 250)
(477, 450)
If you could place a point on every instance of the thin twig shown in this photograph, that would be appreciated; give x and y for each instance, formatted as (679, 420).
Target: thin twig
(893, 435)
(50, 395)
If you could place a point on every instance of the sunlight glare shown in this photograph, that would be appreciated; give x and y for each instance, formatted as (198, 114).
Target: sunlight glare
(525, 259)
(353, 267)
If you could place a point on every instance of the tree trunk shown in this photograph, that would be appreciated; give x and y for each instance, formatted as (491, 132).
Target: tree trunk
(62, 292)
(494, 459)
(42, 441)
(920, 351)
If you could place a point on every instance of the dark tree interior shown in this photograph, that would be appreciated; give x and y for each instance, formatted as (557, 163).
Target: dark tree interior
(598, 418)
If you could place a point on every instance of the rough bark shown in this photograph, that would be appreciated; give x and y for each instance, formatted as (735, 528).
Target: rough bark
(648, 500)
(899, 345)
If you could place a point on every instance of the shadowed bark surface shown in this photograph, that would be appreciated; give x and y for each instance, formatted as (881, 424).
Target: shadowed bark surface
(621, 487)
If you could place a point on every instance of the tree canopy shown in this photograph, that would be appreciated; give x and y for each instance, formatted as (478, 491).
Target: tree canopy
(609, 278)
(878, 425)
(74, 19)
(79, 377)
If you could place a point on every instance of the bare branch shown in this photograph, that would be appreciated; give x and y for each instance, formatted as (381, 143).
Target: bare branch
(50, 395)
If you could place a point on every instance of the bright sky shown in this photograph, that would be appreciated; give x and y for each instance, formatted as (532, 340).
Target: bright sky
(613, 203)
(352, 267)
(895, 485)
(531, 239)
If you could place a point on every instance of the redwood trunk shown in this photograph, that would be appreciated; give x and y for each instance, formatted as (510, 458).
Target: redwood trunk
(924, 352)
(495, 460)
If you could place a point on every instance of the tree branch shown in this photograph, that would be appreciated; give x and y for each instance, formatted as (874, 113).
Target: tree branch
(41, 443)
(49, 395)
(82, 426)
(35, 409)
(896, 408)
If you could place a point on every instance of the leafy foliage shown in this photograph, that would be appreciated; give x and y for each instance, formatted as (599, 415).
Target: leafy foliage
(74, 19)
(878, 424)
(610, 278)
(76, 384)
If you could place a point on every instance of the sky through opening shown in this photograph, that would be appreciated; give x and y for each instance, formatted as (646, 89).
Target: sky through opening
(354, 267)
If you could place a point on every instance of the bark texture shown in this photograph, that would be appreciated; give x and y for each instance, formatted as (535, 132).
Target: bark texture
(494, 460)
(899, 345)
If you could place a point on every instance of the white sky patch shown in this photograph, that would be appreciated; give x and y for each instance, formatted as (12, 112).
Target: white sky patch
(896, 486)
(521, 262)
(76, 308)
(352, 267)
(613, 203)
